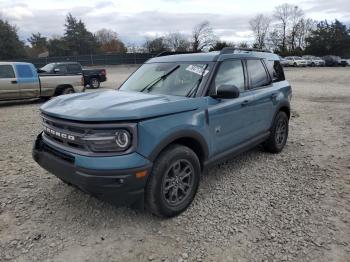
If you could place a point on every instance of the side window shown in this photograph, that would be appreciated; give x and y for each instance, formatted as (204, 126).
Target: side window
(6, 71)
(230, 73)
(257, 74)
(276, 71)
(24, 71)
(62, 68)
(74, 68)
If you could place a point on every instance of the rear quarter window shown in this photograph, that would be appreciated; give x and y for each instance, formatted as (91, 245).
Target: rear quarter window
(276, 71)
(24, 71)
(74, 68)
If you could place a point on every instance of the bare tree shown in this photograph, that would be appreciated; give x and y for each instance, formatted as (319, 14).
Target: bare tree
(296, 18)
(109, 42)
(156, 44)
(203, 37)
(177, 42)
(305, 26)
(283, 14)
(260, 26)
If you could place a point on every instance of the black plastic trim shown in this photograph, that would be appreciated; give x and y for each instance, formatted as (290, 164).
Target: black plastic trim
(178, 135)
(236, 150)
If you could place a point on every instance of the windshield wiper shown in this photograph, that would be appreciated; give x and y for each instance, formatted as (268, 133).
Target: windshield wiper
(163, 77)
(194, 89)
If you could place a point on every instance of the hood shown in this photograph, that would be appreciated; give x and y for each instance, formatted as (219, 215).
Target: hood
(113, 105)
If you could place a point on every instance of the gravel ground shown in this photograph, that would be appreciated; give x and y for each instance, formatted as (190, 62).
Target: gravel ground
(293, 206)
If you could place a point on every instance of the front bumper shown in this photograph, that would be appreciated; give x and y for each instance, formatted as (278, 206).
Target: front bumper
(121, 186)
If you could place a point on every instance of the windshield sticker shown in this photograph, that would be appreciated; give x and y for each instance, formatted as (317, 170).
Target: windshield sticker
(197, 70)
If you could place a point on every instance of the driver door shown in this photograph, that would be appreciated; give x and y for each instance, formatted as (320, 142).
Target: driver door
(229, 119)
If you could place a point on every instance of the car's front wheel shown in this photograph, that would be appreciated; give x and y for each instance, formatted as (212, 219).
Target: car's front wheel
(173, 182)
(279, 133)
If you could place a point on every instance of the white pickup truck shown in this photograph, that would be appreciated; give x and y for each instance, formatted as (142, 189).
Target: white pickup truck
(21, 81)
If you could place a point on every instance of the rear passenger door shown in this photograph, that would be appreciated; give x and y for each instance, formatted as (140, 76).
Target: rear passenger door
(8, 83)
(265, 93)
(28, 81)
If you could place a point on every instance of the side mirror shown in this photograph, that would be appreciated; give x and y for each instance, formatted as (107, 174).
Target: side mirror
(56, 70)
(227, 92)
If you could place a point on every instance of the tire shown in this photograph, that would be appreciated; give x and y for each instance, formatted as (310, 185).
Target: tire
(279, 134)
(168, 167)
(295, 65)
(94, 83)
(67, 90)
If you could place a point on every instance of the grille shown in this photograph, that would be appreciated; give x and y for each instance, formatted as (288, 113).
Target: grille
(64, 133)
(58, 154)
(71, 135)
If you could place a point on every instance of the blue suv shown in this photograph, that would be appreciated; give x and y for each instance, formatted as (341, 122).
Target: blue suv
(148, 142)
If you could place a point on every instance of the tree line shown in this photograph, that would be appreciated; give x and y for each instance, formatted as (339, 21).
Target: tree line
(287, 32)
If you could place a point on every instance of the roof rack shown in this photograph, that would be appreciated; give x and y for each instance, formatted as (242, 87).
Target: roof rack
(230, 50)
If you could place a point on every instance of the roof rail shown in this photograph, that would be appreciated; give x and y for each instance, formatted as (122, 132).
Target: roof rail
(230, 50)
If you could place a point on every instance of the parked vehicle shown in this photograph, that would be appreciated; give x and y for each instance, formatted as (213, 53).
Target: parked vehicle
(20, 81)
(92, 77)
(332, 60)
(296, 61)
(344, 62)
(284, 62)
(149, 141)
(314, 60)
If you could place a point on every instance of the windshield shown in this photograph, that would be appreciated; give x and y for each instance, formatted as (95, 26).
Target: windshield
(179, 79)
(48, 67)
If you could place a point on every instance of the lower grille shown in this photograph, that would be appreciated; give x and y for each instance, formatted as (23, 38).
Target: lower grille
(58, 154)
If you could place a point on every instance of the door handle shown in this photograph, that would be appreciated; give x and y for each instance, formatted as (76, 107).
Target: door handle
(14, 82)
(245, 102)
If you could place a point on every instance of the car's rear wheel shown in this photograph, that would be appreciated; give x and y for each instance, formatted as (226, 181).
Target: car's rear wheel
(173, 182)
(94, 83)
(279, 134)
(67, 90)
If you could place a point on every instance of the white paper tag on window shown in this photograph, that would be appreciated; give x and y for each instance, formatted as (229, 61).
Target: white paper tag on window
(197, 70)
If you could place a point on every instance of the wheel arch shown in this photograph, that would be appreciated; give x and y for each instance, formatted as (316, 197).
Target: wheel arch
(192, 139)
(59, 89)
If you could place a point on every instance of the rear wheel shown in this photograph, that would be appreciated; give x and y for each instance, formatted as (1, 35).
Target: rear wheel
(94, 83)
(67, 90)
(279, 134)
(173, 182)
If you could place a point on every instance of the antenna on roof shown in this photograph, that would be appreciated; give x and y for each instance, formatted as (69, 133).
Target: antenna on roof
(230, 50)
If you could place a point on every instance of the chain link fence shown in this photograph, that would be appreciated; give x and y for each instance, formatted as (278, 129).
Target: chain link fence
(98, 59)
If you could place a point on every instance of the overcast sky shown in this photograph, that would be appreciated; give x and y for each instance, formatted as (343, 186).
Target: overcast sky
(133, 20)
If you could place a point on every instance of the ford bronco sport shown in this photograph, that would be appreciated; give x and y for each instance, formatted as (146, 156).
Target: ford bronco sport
(148, 142)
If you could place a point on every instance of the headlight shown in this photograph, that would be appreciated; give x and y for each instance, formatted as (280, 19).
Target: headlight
(122, 138)
(109, 141)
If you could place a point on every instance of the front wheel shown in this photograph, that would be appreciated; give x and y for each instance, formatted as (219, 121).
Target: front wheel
(279, 134)
(173, 182)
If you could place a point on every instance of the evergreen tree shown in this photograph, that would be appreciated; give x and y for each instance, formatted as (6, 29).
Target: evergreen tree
(10, 45)
(79, 40)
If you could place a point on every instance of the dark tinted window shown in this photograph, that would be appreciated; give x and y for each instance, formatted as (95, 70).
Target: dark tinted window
(6, 71)
(276, 70)
(62, 69)
(24, 71)
(257, 73)
(230, 73)
(74, 68)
